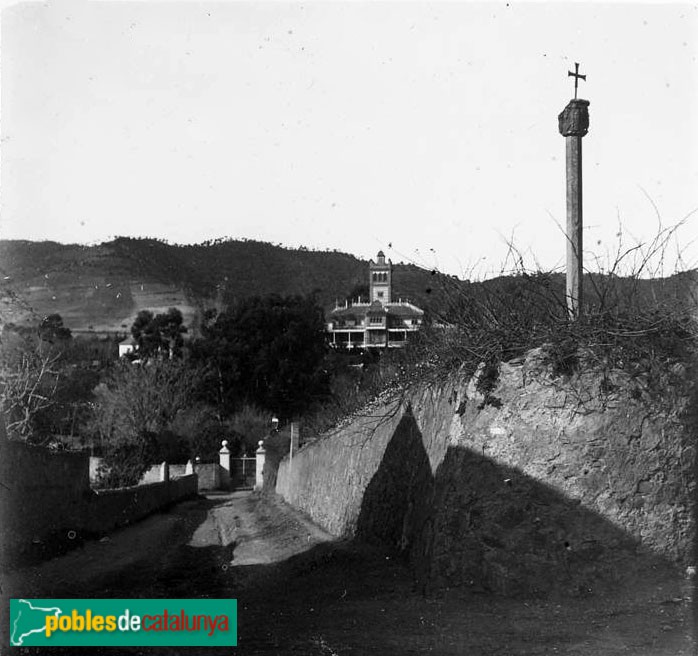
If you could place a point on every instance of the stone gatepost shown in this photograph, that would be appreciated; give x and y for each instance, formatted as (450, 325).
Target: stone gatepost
(224, 462)
(189, 469)
(164, 472)
(259, 472)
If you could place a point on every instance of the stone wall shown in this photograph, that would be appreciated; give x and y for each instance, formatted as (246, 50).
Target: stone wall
(153, 474)
(209, 474)
(42, 493)
(177, 471)
(109, 509)
(327, 479)
(46, 499)
(547, 482)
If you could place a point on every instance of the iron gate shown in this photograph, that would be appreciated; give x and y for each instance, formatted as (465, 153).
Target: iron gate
(242, 473)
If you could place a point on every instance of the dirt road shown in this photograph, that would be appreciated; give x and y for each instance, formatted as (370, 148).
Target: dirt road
(299, 592)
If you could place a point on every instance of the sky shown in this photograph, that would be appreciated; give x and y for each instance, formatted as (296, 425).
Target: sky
(428, 130)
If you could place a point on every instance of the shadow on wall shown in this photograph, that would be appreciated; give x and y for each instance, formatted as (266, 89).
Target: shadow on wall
(397, 491)
(477, 523)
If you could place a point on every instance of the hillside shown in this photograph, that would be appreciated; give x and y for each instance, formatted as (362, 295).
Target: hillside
(103, 287)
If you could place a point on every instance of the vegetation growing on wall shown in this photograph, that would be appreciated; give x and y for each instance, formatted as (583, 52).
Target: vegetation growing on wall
(640, 323)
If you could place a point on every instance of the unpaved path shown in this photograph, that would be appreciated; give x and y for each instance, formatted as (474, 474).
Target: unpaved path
(299, 592)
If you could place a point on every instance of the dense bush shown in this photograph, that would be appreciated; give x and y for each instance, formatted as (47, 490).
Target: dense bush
(124, 463)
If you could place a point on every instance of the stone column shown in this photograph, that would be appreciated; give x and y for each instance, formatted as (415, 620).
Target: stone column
(164, 472)
(573, 124)
(224, 462)
(259, 472)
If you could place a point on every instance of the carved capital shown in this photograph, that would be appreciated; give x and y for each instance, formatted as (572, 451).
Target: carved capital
(573, 121)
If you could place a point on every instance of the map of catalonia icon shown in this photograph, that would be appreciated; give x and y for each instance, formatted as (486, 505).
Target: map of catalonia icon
(29, 619)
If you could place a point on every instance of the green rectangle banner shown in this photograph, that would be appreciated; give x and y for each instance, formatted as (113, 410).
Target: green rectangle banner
(119, 622)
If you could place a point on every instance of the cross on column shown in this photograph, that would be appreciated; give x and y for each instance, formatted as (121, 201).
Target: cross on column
(573, 123)
(576, 75)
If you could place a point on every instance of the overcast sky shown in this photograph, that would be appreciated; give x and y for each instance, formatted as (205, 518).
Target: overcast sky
(426, 129)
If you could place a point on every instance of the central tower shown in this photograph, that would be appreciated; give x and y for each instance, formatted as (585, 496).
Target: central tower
(380, 283)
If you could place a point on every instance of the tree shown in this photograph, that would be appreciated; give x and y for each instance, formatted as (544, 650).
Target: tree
(73, 399)
(161, 333)
(252, 424)
(201, 433)
(135, 411)
(266, 351)
(28, 383)
(53, 331)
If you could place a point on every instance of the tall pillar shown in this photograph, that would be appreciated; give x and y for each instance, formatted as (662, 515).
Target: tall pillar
(259, 469)
(224, 462)
(573, 124)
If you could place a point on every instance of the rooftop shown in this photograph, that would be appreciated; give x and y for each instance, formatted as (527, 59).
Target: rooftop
(400, 308)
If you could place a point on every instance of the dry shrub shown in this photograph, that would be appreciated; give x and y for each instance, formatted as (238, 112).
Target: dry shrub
(638, 322)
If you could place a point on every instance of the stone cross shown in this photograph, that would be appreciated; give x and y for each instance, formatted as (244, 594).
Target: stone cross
(576, 77)
(573, 124)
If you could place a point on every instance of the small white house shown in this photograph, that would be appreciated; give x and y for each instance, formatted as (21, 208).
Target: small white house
(127, 346)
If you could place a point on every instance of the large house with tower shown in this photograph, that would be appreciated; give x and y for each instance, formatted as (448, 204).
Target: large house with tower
(379, 321)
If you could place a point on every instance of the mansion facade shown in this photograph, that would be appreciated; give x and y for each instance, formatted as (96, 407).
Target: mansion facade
(378, 322)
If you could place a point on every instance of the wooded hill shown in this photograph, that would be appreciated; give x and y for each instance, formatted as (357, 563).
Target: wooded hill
(102, 287)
